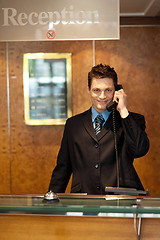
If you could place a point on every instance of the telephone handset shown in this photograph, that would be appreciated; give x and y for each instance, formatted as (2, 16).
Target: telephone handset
(112, 105)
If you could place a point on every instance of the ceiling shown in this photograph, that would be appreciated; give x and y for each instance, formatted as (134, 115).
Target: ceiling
(140, 8)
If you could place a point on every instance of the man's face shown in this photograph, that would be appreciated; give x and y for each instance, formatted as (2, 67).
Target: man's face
(101, 92)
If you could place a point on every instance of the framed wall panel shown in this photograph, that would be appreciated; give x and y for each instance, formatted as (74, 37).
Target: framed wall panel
(47, 88)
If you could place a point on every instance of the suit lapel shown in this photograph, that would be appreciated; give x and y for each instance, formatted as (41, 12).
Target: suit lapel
(87, 121)
(109, 125)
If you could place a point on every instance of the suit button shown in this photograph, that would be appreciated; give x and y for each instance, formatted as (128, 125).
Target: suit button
(96, 145)
(97, 165)
(98, 187)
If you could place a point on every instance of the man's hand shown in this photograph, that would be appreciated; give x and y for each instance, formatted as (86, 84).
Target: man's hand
(121, 99)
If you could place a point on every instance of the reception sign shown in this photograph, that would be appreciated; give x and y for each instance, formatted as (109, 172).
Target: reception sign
(50, 20)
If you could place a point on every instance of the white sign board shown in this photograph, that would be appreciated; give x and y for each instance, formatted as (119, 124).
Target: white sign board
(36, 20)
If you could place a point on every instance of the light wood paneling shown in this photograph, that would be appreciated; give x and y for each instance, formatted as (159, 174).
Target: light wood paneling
(75, 228)
(4, 131)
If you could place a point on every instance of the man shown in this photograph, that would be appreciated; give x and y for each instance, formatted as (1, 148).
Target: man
(88, 150)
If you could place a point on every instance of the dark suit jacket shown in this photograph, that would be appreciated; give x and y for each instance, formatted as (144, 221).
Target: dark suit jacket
(92, 159)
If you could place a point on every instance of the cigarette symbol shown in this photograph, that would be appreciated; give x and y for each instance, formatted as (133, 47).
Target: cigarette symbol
(51, 34)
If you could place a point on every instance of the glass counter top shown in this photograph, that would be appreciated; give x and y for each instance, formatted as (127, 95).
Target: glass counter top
(79, 205)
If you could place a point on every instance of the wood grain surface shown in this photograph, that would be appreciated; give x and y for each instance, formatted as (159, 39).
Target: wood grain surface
(17, 227)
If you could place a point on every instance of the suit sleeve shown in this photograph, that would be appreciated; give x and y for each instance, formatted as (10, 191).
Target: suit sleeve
(135, 135)
(62, 172)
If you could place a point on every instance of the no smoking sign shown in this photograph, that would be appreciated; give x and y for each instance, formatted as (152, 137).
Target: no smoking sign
(51, 34)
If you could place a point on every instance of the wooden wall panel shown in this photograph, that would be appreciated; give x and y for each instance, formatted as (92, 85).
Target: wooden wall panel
(4, 131)
(136, 58)
(34, 148)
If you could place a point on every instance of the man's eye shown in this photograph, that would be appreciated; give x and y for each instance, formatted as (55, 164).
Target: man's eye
(108, 90)
(96, 90)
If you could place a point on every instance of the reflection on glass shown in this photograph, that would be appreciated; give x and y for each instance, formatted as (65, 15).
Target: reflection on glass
(48, 80)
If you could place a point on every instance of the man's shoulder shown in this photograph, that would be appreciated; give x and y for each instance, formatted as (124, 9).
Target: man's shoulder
(139, 118)
(136, 115)
(78, 116)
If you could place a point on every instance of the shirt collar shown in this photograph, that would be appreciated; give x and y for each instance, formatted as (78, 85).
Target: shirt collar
(105, 114)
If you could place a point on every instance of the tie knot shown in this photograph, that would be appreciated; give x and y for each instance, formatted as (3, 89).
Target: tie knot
(99, 119)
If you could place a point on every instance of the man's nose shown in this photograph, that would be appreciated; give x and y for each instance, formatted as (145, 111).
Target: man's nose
(102, 95)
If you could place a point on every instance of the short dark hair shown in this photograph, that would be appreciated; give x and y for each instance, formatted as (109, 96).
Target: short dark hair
(102, 71)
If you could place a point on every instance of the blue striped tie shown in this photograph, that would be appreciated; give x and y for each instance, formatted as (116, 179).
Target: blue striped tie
(99, 120)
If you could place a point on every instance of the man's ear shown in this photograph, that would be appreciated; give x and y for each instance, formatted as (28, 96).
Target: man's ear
(88, 89)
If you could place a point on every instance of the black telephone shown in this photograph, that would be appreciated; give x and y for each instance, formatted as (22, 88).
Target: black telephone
(112, 105)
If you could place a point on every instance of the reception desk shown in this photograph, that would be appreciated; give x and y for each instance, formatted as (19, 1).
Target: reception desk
(76, 217)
